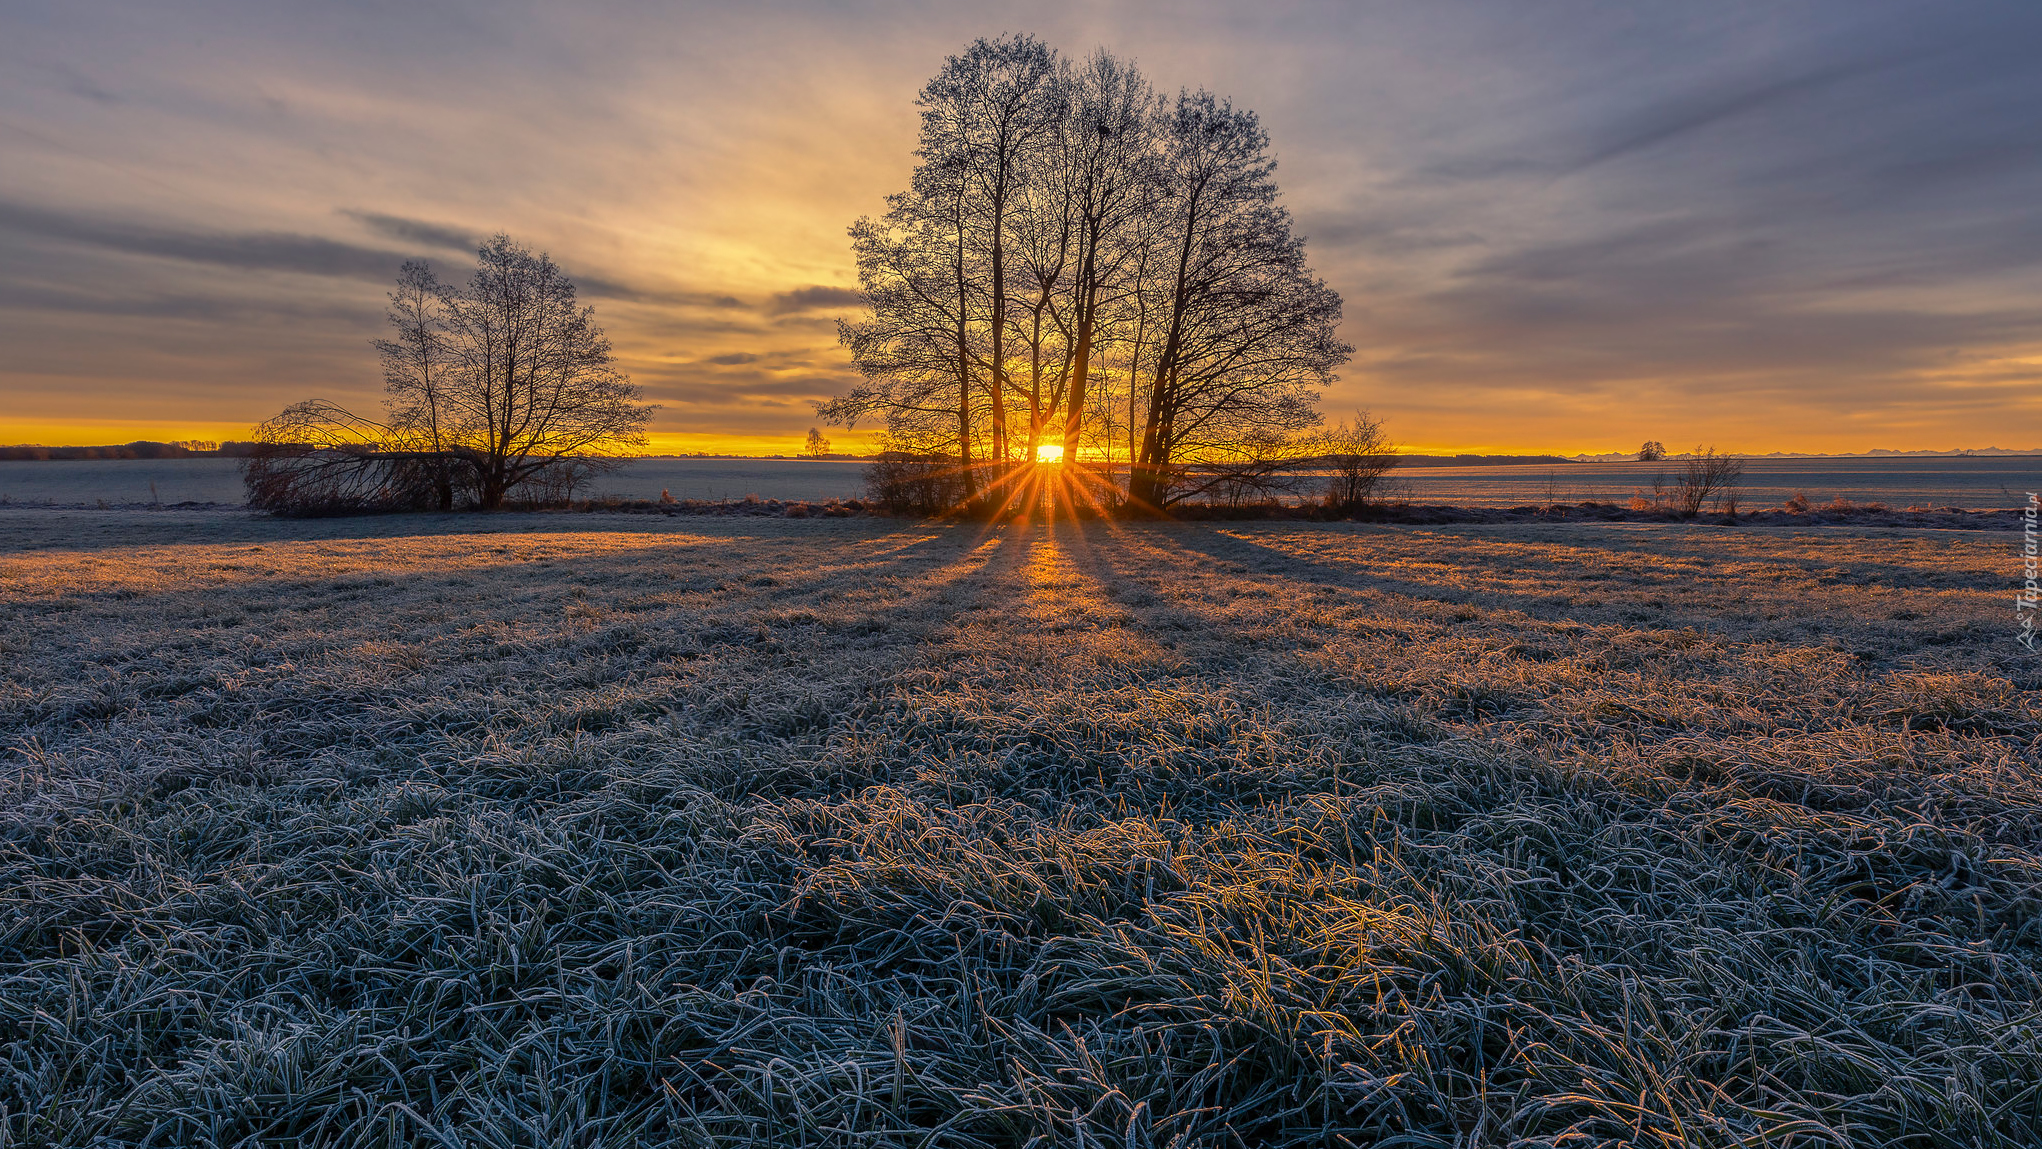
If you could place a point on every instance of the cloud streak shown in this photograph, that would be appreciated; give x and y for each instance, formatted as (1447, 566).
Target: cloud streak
(249, 251)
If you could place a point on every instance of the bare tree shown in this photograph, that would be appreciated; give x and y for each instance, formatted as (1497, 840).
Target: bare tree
(911, 344)
(419, 367)
(314, 458)
(1358, 453)
(989, 112)
(1073, 245)
(538, 384)
(1651, 451)
(1109, 175)
(1246, 333)
(1706, 473)
(818, 445)
(502, 385)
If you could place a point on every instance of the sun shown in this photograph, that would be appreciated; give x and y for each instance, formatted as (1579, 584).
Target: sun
(1049, 453)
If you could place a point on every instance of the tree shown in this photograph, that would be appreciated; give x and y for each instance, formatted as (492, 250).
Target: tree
(907, 345)
(1359, 454)
(504, 384)
(1246, 332)
(1651, 451)
(1076, 246)
(987, 114)
(1109, 177)
(418, 367)
(817, 447)
(1706, 473)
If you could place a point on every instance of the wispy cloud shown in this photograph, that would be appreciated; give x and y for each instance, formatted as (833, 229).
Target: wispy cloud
(817, 298)
(415, 231)
(255, 251)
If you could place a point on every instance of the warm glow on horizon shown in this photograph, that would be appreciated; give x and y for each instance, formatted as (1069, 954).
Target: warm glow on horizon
(1049, 453)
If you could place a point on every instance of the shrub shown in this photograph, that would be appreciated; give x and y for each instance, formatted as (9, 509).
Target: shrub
(301, 481)
(914, 484)
(1358, 454)
(1707, 473)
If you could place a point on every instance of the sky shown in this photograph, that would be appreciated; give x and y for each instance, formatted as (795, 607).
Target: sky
(1558, 227)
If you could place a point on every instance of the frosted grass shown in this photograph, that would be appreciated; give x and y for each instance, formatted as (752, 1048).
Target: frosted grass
(558, 830)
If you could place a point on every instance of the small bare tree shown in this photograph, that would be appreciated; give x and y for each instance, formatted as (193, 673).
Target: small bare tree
(1651, 451)
(1707, 473)
(1359, 454)
(503, 385)
(818, 445)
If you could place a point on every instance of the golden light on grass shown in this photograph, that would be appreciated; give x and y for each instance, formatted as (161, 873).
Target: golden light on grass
(1049, 453)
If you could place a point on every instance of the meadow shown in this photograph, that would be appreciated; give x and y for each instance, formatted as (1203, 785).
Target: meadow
(1983, 482)
(578, 830)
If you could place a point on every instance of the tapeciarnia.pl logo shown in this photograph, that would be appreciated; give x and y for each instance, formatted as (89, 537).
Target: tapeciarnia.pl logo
(2031, 574)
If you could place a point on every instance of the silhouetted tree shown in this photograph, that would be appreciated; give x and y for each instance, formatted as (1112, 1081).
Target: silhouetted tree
(818, 446)
(1358, 453)
(504, 384)
(419, 365)
(1070, 241)
(1246, 332)
(990, 112)
(1651, 451)
(1706, 473)
(1108, 175)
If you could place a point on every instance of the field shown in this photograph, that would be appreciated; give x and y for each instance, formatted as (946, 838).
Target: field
(1982, 482)
(592, 830)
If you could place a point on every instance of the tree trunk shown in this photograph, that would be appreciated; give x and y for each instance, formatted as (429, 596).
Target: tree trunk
(1000, 330)
(963, 363)
(1081, 363)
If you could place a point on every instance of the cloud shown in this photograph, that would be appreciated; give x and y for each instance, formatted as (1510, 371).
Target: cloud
(817, 298)
(1696, 111)
(605, 287)
(252, 251)
(733, 359)
(416, 231)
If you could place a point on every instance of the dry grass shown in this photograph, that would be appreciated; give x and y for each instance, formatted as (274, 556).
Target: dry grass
(596, 831)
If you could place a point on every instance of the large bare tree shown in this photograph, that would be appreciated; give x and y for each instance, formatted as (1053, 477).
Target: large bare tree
(1109, 177)
(1070, 241)
(1246, 332)
(987, 114)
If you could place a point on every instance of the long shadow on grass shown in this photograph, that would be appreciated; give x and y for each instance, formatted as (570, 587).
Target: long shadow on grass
(1207, 547)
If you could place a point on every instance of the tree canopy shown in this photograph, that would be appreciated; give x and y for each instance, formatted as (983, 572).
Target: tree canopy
(1079, 262)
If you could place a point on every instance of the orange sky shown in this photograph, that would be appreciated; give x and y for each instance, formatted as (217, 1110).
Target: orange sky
(1808, 231)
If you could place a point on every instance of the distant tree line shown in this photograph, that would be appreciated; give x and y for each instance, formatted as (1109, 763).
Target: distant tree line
(140, 449)
(500, 391)
(1080, 263)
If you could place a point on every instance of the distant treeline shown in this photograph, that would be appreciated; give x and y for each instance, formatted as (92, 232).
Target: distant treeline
(1475, 460)
(144, 449)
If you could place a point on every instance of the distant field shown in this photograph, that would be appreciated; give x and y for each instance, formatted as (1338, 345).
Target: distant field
(1979, 482)
(576, 830)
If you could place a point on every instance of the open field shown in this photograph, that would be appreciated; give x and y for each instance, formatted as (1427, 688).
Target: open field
(581, 830)
(1983, 482)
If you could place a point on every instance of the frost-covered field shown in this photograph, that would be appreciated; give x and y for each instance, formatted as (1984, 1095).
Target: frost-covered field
(579, 830)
